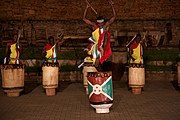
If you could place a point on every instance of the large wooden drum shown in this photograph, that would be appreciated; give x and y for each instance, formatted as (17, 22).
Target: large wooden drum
(100, 91)
(178, 72)
(12, 79)
(136, 78)
(87, 69)
(50, 79)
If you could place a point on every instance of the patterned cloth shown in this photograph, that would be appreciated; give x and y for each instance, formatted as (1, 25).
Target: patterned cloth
(51, 55)
(13, 54)
(136, 51)
(97, 50)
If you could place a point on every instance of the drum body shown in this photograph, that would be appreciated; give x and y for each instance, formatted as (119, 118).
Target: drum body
(85, 71)
(12, 79)
(50, 79)
(100, 91)
(136, 78)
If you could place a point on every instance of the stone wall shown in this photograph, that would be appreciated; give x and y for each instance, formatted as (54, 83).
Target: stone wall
(42, 18)
(41, 30)
(73, 9)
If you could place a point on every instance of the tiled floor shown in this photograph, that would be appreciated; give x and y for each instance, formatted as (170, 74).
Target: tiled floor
(158, 101)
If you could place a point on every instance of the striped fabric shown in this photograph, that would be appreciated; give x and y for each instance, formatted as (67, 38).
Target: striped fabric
(96, 50)
(14, 55)
(51, 55)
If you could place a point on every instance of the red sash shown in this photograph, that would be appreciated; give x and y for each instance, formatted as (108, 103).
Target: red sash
(107, 49)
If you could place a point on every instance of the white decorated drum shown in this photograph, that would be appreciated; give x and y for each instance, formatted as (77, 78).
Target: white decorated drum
(136, 77)
(50, 78)
(12, 79)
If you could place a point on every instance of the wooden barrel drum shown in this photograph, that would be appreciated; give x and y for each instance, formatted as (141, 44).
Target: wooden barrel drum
(136, 78)
(100, 91)
(12, 79)
(50, 79)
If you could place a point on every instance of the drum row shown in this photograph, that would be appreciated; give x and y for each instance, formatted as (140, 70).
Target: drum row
(98, 85)
(13, 79)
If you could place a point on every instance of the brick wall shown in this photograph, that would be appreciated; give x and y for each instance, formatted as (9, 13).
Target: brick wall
(73, 9)
(66, 15)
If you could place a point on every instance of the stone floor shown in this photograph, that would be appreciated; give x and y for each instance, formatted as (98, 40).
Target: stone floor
(158, 101)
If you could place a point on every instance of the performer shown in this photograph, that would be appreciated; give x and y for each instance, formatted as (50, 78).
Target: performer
(13, 51)
(99, 83)
(135, 50)
(50, 49)
(13, 71)
(136, 72)
(100, 49)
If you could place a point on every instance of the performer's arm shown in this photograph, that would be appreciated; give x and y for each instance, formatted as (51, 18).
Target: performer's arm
(85, 19)
(60, 39)
(114, 14)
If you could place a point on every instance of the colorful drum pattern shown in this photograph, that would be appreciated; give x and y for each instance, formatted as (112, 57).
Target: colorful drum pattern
(87, 69)
(100, 91)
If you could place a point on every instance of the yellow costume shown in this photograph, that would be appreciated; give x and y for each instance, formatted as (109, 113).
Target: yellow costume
(137, 55)
(14, 55)
(94, 49)
(51, 55)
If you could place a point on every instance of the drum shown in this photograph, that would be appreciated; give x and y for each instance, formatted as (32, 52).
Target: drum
(87, 69)
(100, 91)
(136, 78)
(12, 79)
(50, 78)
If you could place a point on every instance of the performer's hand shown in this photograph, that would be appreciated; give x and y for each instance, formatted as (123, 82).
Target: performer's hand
(88, 5)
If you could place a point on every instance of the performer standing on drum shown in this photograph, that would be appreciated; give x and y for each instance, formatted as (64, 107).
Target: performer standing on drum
(99, 83)
(12, 70)
(136, 72)
(50, 67)
(101, 49)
